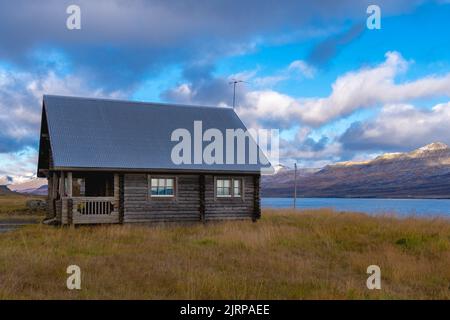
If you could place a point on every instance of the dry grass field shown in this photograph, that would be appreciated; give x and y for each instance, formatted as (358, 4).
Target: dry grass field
(308, 255)
(14, 206)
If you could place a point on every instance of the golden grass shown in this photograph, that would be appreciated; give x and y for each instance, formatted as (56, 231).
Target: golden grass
(14, 206)
(309, 255)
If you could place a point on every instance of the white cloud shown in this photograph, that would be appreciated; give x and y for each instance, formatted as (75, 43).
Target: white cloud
(21, 99)
(183, 92)
(269, 81)
(331, 151)
(296, 70)
(301, 66)
(19, 165)
(367, 87)
(401, 126)
(268, 106)
(244, 75)
(20, 115)
(309, 153)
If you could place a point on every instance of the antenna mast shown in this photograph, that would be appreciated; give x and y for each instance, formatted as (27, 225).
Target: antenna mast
(234, 82)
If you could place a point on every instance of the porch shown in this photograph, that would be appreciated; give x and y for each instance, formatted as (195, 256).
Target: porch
(84, 198)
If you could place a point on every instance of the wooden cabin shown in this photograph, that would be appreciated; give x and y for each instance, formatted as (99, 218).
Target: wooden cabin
(109, 161)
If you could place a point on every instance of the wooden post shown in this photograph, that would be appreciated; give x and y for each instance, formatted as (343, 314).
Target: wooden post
(55, 186)
(295, 185)
(61, 185)
(69, 184)
(50, 187)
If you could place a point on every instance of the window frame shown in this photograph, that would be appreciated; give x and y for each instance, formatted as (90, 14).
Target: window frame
(239, 187)
(230, 187)
(162, 196)
(232, 195)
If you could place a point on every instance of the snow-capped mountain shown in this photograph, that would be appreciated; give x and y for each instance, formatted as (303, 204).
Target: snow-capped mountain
(6, 180)
(424, 172)
(31, 185)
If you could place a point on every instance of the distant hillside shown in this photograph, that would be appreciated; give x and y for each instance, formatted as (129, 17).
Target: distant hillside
(422, 173)
(41, 191)
(4, 190)
(36, 186)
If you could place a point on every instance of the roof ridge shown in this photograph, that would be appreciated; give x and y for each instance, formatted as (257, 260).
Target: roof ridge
(139, 102)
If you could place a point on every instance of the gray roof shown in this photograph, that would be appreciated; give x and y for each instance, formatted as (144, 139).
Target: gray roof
(112, 134)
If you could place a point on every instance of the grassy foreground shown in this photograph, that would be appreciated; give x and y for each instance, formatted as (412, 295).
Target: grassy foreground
(308, 255)
(14, 206)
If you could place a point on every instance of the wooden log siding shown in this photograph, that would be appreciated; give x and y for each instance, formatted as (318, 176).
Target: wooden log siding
(69, 211)
(187, 204)
(64, 211)
(58, 210)
(202, 182)
(121, 198)
(140, 207)
(229, 208)
(117, 193)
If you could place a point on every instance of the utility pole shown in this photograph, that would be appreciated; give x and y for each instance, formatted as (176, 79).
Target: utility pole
(295, 185)
(234, 82)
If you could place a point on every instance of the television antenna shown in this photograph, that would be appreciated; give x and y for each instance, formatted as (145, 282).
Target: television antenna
(234, 82)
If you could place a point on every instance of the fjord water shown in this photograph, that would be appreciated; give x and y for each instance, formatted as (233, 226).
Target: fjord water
(401, 207)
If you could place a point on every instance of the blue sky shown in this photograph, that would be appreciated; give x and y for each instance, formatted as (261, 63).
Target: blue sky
(337, 90)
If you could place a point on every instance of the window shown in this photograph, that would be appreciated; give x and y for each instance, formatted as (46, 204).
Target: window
(162, 187)
(226, 188)
(236, 188)
(223, 188)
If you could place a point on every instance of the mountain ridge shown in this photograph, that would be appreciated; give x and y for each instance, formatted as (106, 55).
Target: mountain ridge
(4, 190)
(420, 173)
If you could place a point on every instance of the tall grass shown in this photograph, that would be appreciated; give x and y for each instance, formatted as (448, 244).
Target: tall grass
(309, 255)
(14, 206)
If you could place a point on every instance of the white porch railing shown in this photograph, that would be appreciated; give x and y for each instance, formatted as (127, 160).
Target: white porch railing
(89, 210)
(93, 205)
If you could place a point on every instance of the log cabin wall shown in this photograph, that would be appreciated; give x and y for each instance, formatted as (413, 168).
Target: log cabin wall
(139, 206)
(229, 208)
(192, 201)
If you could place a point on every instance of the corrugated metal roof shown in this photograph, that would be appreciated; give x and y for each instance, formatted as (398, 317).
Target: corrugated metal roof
(103, 133)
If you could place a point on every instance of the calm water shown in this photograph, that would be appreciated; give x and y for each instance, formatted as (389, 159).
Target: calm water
(420, 207)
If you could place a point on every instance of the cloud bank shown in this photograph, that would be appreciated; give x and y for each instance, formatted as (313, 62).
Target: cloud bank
(364, 88)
